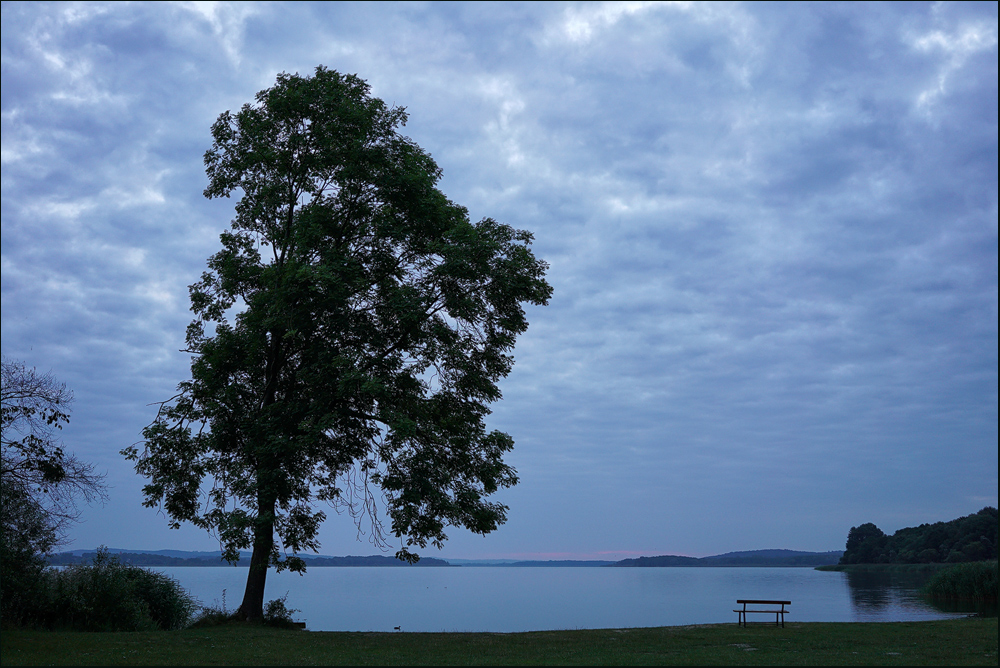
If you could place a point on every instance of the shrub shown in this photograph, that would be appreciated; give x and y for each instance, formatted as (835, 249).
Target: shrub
(108, 595)
(25, 535)
(23, 581)
(170, 607)
(276, 613)
(970, 581)
(98, 597)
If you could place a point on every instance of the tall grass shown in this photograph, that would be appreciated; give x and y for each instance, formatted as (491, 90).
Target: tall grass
(971, 581)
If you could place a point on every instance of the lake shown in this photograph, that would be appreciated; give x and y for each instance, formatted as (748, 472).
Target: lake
(506, 599)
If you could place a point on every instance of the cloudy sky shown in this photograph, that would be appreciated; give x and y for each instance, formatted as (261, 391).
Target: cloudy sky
(772, 232)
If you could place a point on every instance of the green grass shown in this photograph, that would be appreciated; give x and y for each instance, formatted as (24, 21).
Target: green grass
(951, 642)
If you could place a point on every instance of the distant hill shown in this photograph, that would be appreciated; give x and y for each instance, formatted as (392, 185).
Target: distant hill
(751, 558)
(551, 563)
(202, 559)
(138, 559)
(373, 560)
(662, 560)
(181, 558)
(775, 558)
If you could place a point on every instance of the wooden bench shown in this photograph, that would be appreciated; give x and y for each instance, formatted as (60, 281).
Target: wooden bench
(778, 613)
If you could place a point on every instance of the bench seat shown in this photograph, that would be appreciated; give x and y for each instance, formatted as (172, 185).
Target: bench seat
(779, 613)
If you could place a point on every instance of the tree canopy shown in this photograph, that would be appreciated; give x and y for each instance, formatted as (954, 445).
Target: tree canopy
(969, 538)
(349, 338)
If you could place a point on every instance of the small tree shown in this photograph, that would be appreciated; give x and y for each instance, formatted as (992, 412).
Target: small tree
(349, 337)
(33, 464)
(40, 483)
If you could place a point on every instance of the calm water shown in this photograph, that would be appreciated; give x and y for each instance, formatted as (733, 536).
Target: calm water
(507, 599)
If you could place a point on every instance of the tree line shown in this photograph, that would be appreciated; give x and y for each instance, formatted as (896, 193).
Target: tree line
(748, 558)
(969, 538)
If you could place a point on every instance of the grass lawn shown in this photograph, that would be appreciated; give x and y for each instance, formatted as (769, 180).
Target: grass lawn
(952, 642)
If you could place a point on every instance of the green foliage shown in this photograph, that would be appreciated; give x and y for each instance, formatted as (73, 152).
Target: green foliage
(33, 408)
(278, 614)
(26, 534)
(976, 581)
(969, 538)
(864, 544)
(349, 338)
(107, 595)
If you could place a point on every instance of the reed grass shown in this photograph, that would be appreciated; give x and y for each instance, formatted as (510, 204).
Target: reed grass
(971, 581)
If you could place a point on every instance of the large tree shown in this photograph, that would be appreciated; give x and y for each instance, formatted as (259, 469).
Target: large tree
(349, 338)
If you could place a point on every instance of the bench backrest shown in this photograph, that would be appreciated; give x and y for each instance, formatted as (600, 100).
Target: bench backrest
(754, 600)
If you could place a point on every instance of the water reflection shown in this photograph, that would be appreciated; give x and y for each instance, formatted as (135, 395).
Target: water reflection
(878, 594)
(980, 608)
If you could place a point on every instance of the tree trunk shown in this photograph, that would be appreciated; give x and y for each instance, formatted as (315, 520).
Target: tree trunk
(252, 608)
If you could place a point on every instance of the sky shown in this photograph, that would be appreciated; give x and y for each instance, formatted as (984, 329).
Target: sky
(771, 231)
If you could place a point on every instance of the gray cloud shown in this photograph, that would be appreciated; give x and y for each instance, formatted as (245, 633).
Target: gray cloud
(772, 233)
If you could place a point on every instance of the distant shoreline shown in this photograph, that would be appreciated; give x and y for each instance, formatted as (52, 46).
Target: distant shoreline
(887, 568)
(180, 558)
